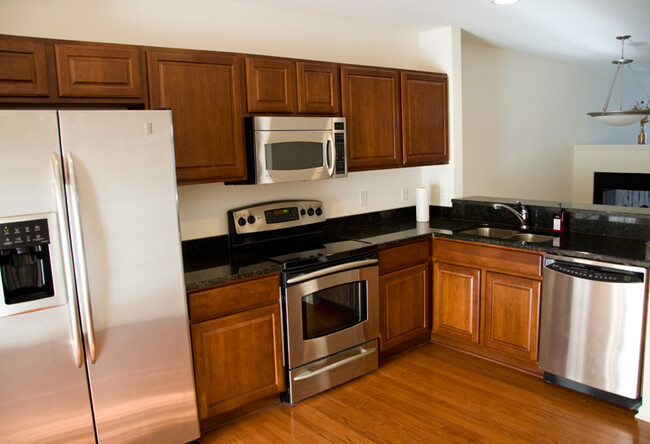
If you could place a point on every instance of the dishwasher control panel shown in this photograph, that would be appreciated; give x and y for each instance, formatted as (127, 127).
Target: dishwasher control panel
(595, 273)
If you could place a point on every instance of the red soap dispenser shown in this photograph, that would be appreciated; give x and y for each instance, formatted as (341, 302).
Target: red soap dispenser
(560, 221)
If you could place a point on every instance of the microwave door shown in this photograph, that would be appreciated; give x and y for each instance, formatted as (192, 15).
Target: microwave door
(286, 156)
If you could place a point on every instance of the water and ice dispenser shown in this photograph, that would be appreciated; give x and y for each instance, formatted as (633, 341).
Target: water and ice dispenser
(26, 266)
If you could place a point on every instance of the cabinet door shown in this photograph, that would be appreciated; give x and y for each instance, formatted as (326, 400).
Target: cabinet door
(404, 298)
(99, 71)
(319, 88)
(237, 359)
(270, 85)
(512, 315)
(424, 118)
(371, 106)
(456, 302)
(23, 68)
(203, 90)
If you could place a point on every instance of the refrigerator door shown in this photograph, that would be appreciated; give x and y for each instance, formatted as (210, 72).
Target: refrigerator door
(43, 385)
(121, 191)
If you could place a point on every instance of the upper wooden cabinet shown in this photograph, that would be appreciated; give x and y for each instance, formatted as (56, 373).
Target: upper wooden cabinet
(277, 85)
(23, 68)
(203, 91)
(319, 88)
(371, 106)
(53, 71)
(424, 118)
(86, 70)
(270, 85)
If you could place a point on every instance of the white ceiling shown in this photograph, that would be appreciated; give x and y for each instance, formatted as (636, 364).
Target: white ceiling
(584, 30)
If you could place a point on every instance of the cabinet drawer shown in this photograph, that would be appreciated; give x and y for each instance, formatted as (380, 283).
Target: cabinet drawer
(232, 298)
(511, 260)
(403, 256)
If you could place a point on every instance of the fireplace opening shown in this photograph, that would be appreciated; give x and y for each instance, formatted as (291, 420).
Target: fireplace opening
(623, 189)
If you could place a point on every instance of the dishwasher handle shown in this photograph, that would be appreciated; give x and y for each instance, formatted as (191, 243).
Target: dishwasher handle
(594, 273)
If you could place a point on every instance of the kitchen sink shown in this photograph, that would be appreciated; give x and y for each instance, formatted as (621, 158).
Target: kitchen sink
(503, 233)
(531, 237)
(500, 233)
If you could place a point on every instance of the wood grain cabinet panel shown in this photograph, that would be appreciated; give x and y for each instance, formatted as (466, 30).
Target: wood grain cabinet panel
(270, 85)
(456, 299)
(203, 91)
(404, 297)
(424, 118)
(23, 68)
(371, 106)
(318, 88)
(512, 315)
(237, 359)
(99, 71)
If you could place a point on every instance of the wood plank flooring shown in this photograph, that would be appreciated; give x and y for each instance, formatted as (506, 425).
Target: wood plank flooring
(437, 395)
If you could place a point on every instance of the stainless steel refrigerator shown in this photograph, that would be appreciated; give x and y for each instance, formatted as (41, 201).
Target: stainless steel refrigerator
(94, 339)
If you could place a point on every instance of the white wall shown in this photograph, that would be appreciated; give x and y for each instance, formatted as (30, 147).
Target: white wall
(522, 115)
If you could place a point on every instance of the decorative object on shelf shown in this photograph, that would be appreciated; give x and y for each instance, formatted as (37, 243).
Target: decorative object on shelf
(642, 133)
(622, 117)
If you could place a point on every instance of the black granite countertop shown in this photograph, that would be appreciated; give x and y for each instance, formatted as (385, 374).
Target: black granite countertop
(208, 261)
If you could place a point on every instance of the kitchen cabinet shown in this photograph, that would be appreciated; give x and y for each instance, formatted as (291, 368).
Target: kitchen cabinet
(371, 105)
(287, 86)
(486, 301)
(203, 90)
(395, 118)
(54, 71)
(424, 118)
(237, 347)
(23, 68)
(404, 297)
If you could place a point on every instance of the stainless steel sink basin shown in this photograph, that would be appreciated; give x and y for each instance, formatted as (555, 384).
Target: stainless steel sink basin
(531, 237)
(503, 233)
(490, 232)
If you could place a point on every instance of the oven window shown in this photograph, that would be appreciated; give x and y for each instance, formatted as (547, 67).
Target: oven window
(293, 155)
(334, 309)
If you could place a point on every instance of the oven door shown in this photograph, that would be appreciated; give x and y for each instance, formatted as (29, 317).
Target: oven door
(328, 311)
(286, 156)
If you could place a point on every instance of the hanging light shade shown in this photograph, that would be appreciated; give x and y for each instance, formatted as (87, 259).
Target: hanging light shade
(622, 117)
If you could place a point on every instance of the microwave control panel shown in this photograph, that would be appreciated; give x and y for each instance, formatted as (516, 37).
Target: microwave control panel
(339, 147)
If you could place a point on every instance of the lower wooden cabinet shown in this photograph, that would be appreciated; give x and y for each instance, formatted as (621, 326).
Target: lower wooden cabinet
(486, 301)
(404, 295)
(238, 357)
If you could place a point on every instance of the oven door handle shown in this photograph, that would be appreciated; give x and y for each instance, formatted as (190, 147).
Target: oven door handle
(335, 269)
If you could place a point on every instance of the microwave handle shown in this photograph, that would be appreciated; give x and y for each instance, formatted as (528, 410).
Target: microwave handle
(329, 156)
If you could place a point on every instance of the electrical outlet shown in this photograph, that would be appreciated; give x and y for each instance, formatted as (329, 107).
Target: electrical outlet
(405, 193)
(363, 198)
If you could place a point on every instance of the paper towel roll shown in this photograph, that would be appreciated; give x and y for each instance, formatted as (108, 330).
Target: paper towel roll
(422, 201)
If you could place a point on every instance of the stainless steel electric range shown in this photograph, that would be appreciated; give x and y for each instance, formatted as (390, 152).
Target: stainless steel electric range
(329, 289)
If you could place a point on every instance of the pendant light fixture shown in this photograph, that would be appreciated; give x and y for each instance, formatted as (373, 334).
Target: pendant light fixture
(622, 117)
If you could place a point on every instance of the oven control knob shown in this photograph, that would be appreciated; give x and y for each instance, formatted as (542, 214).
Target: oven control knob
(310, 211)
(303, 212)
(241, 221)
(251, 219)
(319, 211)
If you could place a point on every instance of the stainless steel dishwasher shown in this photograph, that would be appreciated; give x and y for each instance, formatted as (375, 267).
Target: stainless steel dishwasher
(592, 327)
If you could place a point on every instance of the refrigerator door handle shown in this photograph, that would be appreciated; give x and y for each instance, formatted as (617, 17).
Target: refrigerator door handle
(77, 349)
(80, 264)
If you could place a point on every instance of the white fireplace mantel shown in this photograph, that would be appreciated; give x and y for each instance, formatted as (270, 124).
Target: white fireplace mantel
(588, 159)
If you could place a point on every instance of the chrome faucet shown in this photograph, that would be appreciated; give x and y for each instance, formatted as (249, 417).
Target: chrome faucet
(523, 216)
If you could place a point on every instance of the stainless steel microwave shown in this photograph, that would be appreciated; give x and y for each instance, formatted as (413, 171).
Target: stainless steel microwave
(289, 149)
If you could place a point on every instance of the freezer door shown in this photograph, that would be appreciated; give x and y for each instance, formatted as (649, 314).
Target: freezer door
(121, 189)
(43, 385)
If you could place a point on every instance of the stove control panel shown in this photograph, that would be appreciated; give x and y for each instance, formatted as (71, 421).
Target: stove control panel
(275, 215)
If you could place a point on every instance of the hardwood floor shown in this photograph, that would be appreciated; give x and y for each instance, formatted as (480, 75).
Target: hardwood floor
(437, 395)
